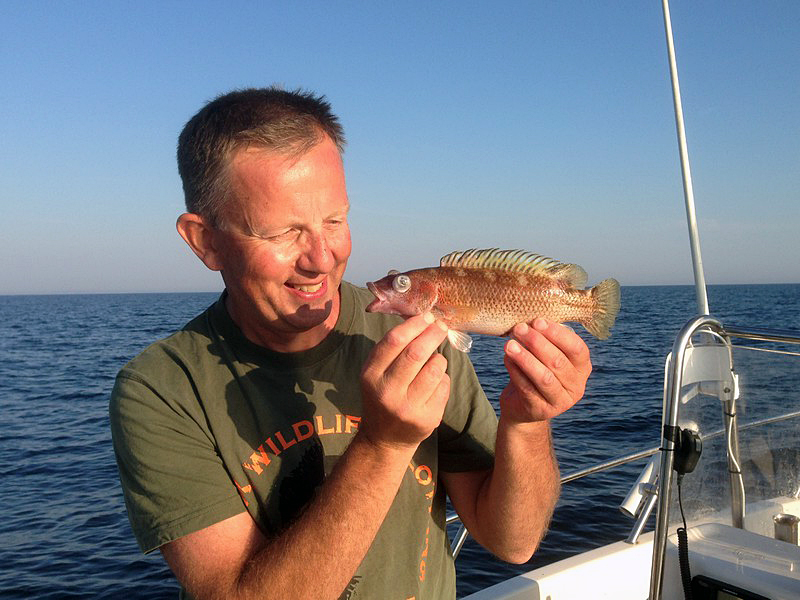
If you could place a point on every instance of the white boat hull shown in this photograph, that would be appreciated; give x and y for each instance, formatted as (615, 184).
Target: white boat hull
(749, 559)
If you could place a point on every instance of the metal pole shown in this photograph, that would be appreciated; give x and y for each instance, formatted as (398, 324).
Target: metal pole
(458, 541)
(672, 394)
(731, 423)
(688, 192)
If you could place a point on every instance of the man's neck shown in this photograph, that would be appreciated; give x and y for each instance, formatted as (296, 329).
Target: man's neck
(279, 340)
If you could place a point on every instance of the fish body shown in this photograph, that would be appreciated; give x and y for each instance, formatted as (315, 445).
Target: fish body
(489, 291)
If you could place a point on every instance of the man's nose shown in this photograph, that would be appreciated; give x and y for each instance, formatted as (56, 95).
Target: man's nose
(316, 256)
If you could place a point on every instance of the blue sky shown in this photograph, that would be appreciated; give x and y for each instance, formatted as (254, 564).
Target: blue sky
(546, 126)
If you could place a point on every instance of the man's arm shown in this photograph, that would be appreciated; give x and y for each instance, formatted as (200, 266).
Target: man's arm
(405, 389)
(315, 557)
(508, 508)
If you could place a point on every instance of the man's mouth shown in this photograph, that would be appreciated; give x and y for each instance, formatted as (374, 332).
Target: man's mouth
(307, 288)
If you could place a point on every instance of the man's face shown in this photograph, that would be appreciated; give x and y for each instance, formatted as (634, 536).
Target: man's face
(285, 244)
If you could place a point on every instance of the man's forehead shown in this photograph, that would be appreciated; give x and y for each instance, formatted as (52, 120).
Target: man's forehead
(273, 190)
(270, 163)
(289, 154)
(250, 154)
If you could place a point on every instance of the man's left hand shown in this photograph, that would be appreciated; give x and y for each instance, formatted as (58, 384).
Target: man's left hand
(549, 365)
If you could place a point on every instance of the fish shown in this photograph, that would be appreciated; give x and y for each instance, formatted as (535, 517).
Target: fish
(488, 291)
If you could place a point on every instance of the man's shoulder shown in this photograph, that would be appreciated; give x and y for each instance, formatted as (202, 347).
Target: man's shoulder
(189, 345)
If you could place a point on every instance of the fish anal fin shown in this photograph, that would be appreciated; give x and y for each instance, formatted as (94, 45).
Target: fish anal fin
(459, 340)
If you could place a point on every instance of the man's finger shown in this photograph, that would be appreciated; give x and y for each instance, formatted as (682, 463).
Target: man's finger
(557, 347)
(396, 340)
(417, 353)
(566, 340)
(428, 380)
(530, 375)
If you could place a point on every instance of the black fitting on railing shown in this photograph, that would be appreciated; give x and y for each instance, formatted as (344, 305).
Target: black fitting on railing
(688, 447)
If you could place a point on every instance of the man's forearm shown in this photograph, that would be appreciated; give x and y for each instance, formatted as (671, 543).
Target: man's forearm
(518, 497)
(317, 555)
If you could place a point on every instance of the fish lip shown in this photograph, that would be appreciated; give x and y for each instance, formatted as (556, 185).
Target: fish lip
(379, 298)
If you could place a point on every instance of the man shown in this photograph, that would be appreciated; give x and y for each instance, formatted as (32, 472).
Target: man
(287, 444)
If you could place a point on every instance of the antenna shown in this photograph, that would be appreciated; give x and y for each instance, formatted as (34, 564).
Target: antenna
(688, 192)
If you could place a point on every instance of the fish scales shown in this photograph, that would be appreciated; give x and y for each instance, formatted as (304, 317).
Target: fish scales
(489, 291)
(491, 301)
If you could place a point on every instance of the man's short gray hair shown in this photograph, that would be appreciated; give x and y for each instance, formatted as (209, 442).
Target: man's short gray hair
(286, 122)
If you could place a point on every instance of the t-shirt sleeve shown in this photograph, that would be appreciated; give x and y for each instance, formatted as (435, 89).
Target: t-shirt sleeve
(469, 426)
(173, 479)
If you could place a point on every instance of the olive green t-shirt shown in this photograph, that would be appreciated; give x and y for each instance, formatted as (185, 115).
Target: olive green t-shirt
(207, 424)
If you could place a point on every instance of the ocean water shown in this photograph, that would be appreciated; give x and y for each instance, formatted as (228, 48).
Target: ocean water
(63, 528)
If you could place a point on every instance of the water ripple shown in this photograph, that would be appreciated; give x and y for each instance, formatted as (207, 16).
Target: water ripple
(65, 534)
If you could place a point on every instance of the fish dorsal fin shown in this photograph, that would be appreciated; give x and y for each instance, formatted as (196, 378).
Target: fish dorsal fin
(518, 261)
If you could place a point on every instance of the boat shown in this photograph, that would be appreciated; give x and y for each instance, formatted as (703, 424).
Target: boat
(730, 452)
(723, 480)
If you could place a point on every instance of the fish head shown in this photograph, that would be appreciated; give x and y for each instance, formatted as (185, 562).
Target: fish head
(405, 294)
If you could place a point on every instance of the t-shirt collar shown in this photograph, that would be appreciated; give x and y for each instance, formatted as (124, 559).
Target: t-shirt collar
(248, 351)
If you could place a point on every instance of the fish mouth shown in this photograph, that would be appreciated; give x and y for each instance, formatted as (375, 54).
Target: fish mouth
(379, 298)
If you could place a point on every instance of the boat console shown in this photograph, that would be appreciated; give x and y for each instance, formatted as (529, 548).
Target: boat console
(729, 563)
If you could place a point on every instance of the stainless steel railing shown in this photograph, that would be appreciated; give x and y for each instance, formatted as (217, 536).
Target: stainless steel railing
(461, 535)
(674, 384)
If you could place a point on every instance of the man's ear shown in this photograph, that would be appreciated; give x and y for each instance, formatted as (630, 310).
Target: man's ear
(199, 235)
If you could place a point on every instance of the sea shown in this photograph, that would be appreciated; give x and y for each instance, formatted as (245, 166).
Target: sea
(64, 532)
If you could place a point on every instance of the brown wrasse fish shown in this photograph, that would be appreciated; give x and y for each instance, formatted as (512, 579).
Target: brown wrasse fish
(489, 291)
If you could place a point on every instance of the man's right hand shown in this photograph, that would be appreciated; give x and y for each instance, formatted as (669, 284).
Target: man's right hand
(404, 385)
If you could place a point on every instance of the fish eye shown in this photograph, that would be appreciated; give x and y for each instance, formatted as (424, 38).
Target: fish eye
(393, 272)
(401, 284)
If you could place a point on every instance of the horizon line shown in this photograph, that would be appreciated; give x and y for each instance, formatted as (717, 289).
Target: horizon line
(219, 291)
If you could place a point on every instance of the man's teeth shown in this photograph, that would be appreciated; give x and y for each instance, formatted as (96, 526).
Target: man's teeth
(310, 289)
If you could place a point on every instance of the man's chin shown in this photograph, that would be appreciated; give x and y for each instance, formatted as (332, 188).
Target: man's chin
(307, 317)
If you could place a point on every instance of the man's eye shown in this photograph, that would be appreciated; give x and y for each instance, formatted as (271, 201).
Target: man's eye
(281, 236)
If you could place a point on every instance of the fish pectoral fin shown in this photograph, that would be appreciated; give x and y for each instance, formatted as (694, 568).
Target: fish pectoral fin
(443, 313)
(453, 314)
(459, 340)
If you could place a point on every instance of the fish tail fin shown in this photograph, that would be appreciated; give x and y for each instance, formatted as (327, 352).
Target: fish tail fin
(606, 296)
